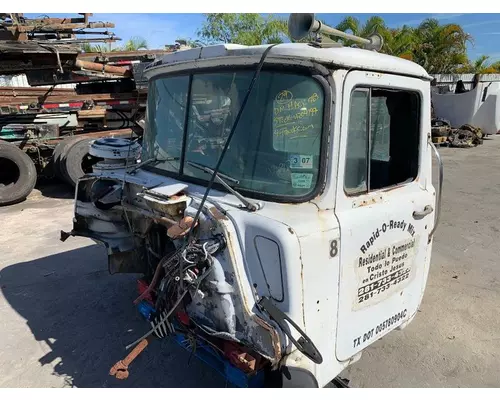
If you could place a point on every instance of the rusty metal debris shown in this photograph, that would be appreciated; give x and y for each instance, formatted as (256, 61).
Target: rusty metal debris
(120, 369)
(91, 66)
(464, 137)
(18, 27)
(108, 97)
(181, 228)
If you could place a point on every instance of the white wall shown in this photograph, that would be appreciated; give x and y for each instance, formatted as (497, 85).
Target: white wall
(457, 108)
(469, 107)
(487, 116)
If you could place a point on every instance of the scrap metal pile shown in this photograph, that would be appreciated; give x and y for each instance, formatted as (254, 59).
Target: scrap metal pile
(464, 137)
(52, 127)
(47, 44)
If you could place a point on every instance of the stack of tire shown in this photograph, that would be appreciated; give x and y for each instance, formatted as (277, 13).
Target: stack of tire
(17, 174)
(71, 159)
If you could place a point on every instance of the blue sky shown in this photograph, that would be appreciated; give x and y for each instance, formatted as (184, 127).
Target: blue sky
(161, 29)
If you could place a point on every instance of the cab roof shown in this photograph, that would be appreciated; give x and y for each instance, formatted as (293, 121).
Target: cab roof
(342, 57)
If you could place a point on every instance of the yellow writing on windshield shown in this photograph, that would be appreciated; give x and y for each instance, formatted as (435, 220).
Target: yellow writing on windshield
(296, 117)
(290, 106)
(292, 130)
(313, 98)
(284, 96)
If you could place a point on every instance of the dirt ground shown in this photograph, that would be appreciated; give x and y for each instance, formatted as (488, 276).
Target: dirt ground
(64, 321)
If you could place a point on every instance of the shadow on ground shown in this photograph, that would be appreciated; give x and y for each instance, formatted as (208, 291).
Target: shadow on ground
(55, 189)
(87, 318)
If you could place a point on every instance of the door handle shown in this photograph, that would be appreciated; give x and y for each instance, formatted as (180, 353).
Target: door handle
(440, 190)
(421, 214)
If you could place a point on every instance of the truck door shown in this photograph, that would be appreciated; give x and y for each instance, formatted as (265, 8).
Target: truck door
(385, 205)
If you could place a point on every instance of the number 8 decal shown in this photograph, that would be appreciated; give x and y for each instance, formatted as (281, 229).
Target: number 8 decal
(334, 248)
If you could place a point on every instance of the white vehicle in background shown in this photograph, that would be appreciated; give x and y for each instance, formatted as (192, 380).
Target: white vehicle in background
(283, 210)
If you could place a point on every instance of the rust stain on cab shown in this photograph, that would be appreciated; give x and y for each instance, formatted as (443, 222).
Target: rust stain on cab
(368, 201)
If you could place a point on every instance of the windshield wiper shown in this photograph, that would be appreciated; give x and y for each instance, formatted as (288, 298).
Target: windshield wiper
(222, 178)
(152, 160)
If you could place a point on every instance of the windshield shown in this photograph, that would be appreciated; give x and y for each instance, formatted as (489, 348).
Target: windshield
(276, 146)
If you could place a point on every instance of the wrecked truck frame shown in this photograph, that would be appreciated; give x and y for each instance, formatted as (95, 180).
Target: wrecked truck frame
(268, 269)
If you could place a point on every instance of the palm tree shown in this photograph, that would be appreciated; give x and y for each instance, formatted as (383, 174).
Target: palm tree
(440, 48)
(400, 42)
(192, 43)
(480, 66)
(373, 25)
(89, 48)
(135, 43)
(397, 42)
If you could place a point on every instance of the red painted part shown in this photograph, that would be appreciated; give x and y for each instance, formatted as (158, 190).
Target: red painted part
(142, 286)
(63, 105)
(239, 357)
(125, 62)
(183, 318)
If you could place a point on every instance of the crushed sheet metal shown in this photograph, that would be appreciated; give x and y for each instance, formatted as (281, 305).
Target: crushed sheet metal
(274, 338)
(157, 218)
(217, 214)
(245, 303)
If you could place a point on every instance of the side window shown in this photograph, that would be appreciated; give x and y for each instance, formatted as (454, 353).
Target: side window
(383, 139)
(166, 108)
(357, 143)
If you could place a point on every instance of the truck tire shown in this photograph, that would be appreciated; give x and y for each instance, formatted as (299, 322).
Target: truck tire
(60, 150)
(77, 161)
(17, 174)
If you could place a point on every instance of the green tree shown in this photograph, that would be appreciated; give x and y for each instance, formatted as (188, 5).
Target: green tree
(373, 25)
(352, 25)
(192, 42)
(400, 42)
(246, 29)
(440, 48)
(135, 43)
(97, 48)
(480, 66)
(397, 42)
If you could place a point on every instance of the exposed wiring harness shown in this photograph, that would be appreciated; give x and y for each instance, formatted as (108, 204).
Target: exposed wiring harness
(195, 262)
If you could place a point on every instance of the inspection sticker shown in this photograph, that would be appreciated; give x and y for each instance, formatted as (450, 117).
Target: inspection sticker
(300, 161)
(383, 272)
(301, 181)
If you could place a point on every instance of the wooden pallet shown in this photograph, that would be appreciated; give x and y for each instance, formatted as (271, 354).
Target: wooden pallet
(440, 139)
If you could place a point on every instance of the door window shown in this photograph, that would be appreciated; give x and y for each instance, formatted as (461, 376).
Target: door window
(382, 139)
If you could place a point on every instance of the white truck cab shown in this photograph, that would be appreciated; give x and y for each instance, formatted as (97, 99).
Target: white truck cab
(307, 241)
